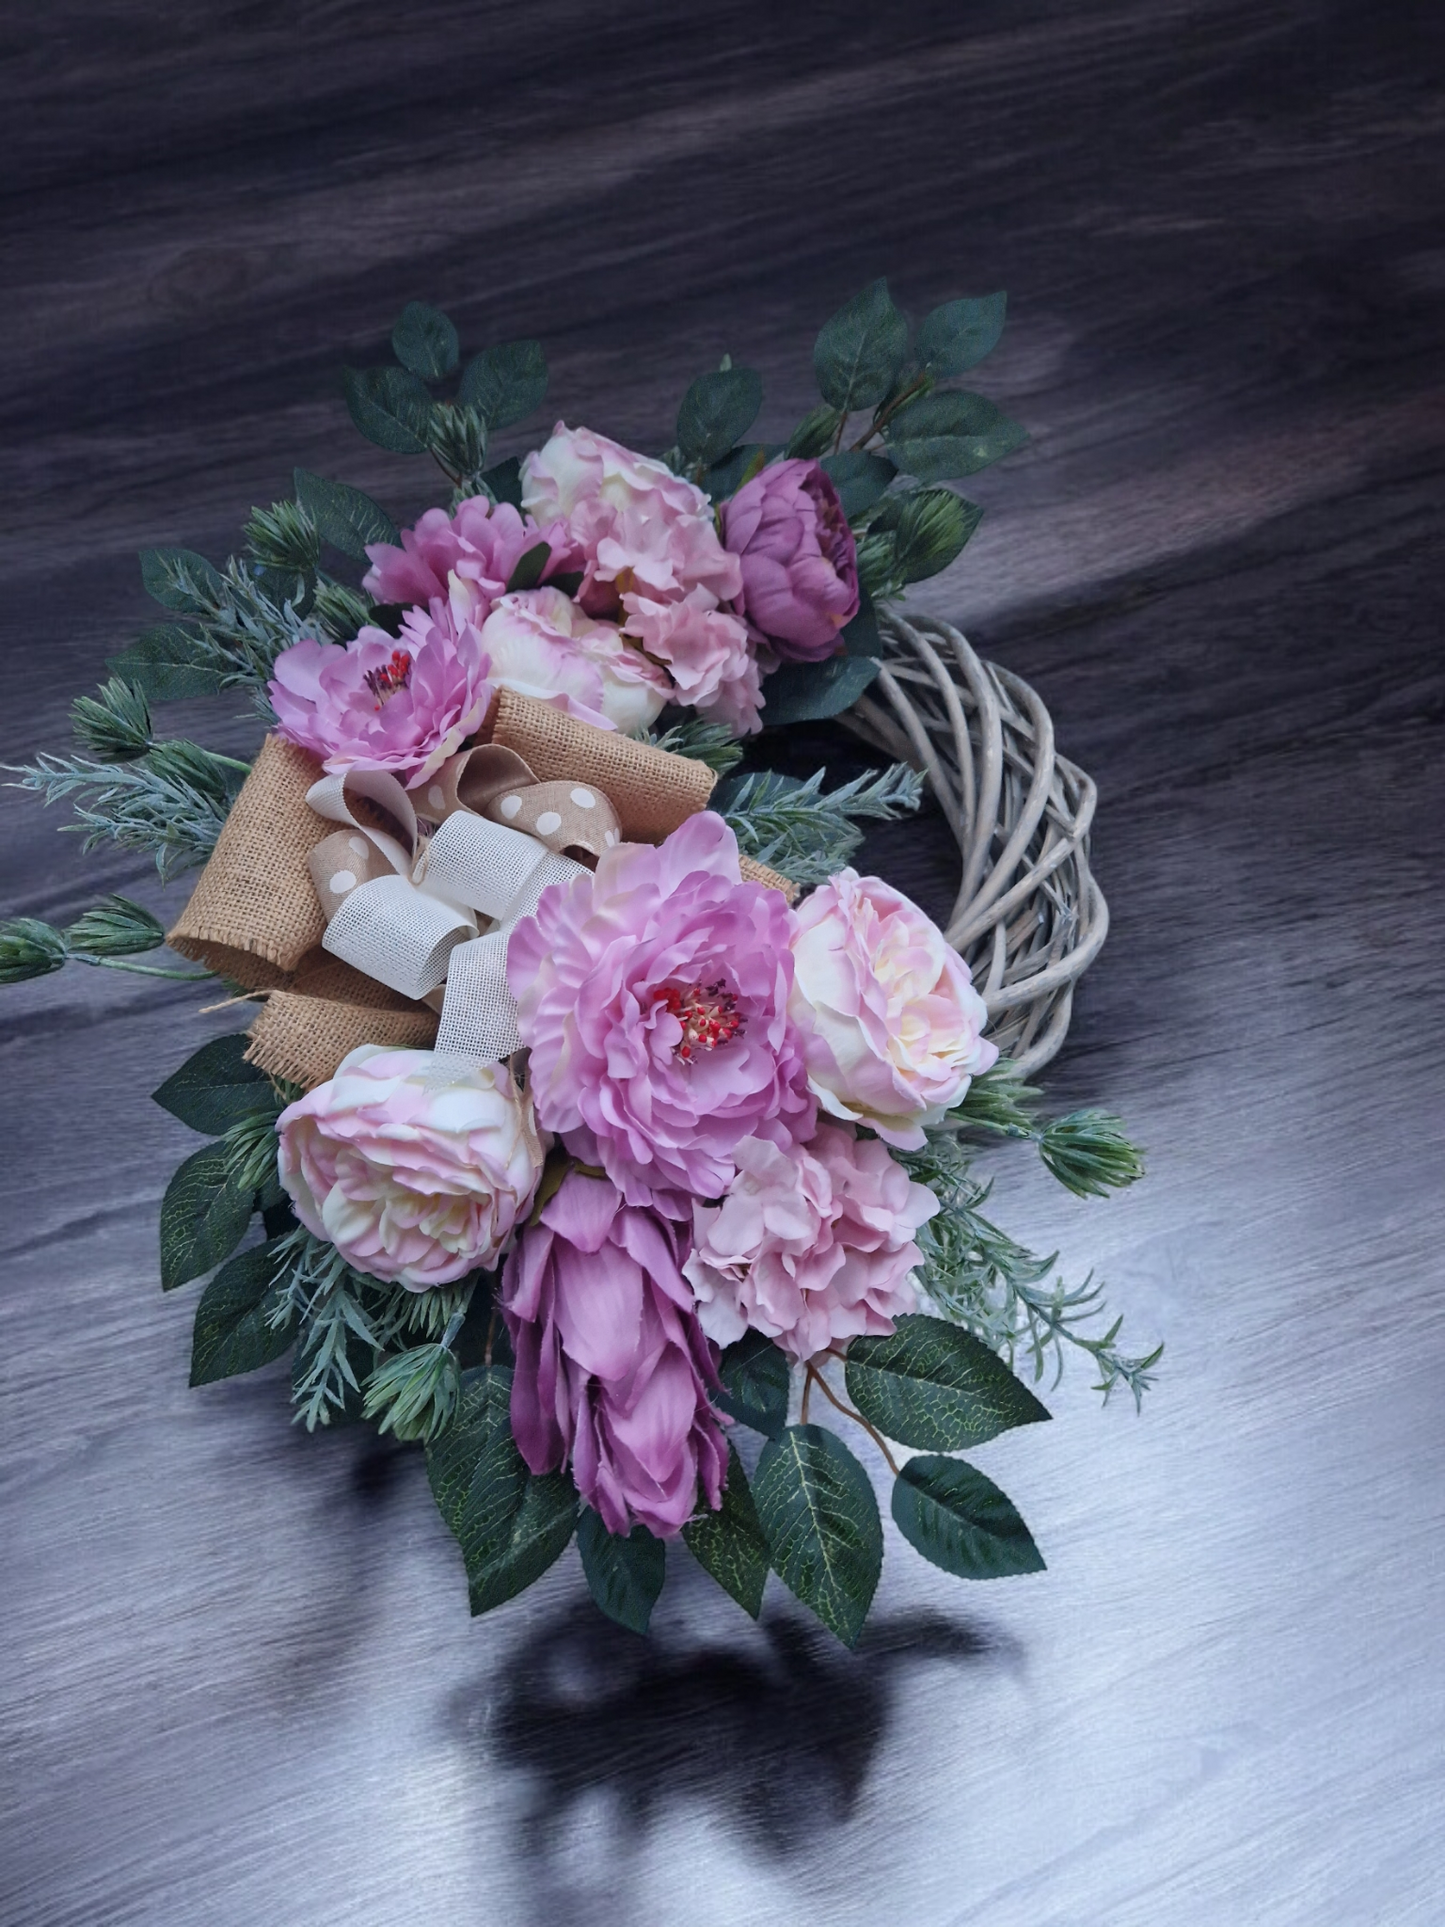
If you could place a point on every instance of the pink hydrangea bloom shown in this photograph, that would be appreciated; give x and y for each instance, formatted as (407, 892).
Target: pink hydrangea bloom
(415, 1180)
(612, 1367)
(653, 996)
(707, 653)
(799, 562)
(396, 703)
(809, 1245)
(893, 1027)
(479, 545)
(542, 644)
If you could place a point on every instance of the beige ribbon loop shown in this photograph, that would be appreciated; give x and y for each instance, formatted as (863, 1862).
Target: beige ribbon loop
(569, 816)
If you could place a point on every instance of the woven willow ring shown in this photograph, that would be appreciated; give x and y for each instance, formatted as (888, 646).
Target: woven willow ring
(1029, 917)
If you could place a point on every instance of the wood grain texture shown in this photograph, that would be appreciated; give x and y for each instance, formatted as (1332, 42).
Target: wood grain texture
(241, 1685)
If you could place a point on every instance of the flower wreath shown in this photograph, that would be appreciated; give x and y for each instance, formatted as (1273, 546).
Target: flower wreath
(597, 1114)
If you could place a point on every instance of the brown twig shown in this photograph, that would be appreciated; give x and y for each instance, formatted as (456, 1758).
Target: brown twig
(814, 1375)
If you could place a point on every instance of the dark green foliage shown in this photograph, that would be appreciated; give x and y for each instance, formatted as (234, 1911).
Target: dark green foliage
(716, 412)
(344, 516)
(180, 579)
(203, 1217)
(913, 534)
(625, 1576)
(860, 351)
(1089, 1154)
(169, 665)
(115, 928)
(529, 566)
(415, 1393)
(960, 1520)
(729, 1544)
(862, 637)
(216, 1087)
(237, 1329)
(688, 734)
(284, 539)
(390, 406)
(860, 478)
(115, 724)
(504, 481)
(815, 433)
(755, 1376)
(820, 1517)
(806, 692)
(936, 1388)
(29, 948)
(425, 341)
(956, 337)
(506, 383)
(951, 433)
(511, 1526)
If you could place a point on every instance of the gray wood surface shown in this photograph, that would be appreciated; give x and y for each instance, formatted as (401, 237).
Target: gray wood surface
(240, 1685)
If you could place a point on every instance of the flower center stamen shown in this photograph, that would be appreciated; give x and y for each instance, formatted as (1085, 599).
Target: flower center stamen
(395, 676)
(708, 1014)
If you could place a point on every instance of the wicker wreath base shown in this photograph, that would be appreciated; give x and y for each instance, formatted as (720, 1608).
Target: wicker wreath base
(1029, 918)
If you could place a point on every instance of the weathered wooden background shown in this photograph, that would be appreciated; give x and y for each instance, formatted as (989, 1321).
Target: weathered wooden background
(240, 1685)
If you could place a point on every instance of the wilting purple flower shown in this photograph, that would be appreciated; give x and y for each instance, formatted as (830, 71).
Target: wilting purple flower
(480, 545)
(612, 1366)
(799, 563)
(654, 998)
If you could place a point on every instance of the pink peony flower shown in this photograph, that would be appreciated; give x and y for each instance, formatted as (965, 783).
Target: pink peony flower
(892, 1023)
(653, 996)
(414, 1180)
(403, 704)
(809, 1245)
(707, 654)
(799, 563)
(638, 525)
(612, 1366)
(542, 644)
(479, 545)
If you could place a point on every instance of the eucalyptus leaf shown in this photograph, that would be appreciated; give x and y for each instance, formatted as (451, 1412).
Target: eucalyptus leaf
(805, 692)
(859, 351)
(511, 1526)
(391, 407)
(860, 478)
(951, 433)
(955, 337)
(527, 570)
(344, 516)
(729, 1543)
(716, 412)
(216, 1087)
(503, 482)
(625, 1576)
(756, 1377)
(505, 383)
(169, 664)
(861, 637)
(725, 478)
(961, 1521)
(203, 1217)
(818, 1512)
(815, 433)
(425, 341)
(233, 1331)
(180, 579)
(936, 1388)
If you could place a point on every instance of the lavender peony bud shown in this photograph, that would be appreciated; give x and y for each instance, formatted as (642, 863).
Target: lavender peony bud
(799, 563)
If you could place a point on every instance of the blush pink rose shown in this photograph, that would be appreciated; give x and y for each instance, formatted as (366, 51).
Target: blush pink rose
(402, 703)
(468, 556)
(541, 644)
(799, 562)
(892, 1025)
(707, 654)
(415, 1181)
(653, 996)
(612, 1368)
(809, 1245)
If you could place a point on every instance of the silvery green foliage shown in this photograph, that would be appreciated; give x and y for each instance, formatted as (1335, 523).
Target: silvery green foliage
(806, 834)
(115, 723)
(710, 743)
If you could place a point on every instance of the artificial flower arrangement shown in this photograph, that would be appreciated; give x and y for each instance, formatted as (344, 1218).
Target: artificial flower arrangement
(596, 1114)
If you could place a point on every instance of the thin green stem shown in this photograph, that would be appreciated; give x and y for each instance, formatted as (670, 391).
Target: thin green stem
(145, 970)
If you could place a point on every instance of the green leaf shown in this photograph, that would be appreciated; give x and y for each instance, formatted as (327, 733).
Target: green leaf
(922, 531)
(504, 482)
(511, 1526)
(861, 637)
(960, 1520)
(953, 433)
(815, 433)
(820, 1518)
(180, 579)
(216, 1087)
(30, 948)
(390, 406)
(861, 479)
(506, 383)
(425, 341)
(725, 478)
(729, 1543)
(169, 664)
(859, 352)
(116, 928)
(203, 1217)
(233, 1330)
(527, 572)
(625, 1575)
(716, 412)
(953, 338)
(756, 1377)
(936, 1388)
(804, 692)
(344, 516)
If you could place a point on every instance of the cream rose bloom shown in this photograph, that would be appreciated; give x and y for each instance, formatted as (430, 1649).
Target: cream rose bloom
(541, 644)
(891, 1022)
